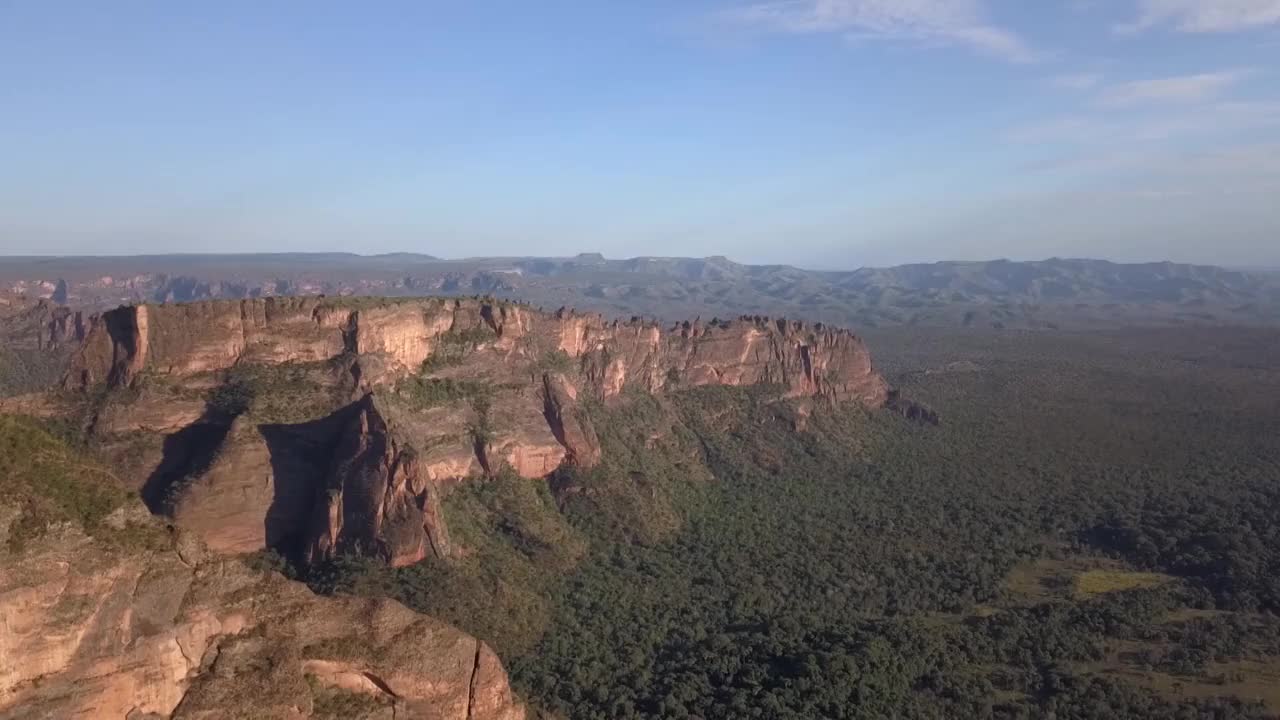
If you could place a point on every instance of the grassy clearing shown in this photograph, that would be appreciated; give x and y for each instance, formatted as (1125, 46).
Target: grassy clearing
(1246, 680)
(1078, 578)
(1096, 582)
(1040, 580)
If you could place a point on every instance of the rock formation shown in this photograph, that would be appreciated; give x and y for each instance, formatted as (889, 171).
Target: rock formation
(37, 338)
(28, 324)
(89, 631)
(374, 498)
(185, 340)
(319, 426)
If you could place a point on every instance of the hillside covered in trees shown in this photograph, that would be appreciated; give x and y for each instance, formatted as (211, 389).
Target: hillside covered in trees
(1088, 533)
(1028, 525)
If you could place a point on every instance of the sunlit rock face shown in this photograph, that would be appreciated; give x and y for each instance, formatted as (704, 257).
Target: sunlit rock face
(89, 631)
(419, 394)
(184, 340)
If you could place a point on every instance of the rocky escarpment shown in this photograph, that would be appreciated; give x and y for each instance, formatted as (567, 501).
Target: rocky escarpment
(89, 631)
(375, 498)
(27, 324)
(37, 338)
(318, 426)
(107, 612)
(184, 340)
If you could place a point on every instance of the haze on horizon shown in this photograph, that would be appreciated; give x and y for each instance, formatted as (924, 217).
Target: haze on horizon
(815, 133)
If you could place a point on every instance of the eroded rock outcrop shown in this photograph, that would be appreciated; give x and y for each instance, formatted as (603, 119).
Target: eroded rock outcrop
(375, 499)
(39, 324)
(416, 393)
(90, 631)
(178, 340)
(570, 428)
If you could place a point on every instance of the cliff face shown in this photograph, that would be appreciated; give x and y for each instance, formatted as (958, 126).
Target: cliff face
(375, 498)
(37, 339)
(337, 425)
(178, 340)
(91, 632)
(27, 324)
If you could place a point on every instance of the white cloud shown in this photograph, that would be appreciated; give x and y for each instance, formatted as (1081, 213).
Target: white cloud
(1203, 16)
(1219, 118)
(1077, 81)
(942, 22)
(1108, 130)
(1181, 89)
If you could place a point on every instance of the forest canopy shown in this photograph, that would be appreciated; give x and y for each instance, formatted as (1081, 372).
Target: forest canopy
(1089, 533)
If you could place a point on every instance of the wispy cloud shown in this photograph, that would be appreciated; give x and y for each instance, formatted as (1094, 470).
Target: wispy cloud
(1077, 81)
(1108, 130)
(960, 23)
(1204, 16)
(1180, 89)
(1216, 119)
(1072, 129)
(1157, 194)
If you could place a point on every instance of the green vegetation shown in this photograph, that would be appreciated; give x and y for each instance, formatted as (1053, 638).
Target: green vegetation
(1089, 533)
(423, 393)
(27, 371)
(1097, 582)
(331, 703)
(673, 377)
(40, 475)
(516, 547)
(49, 482)
(647, 483)
(454, 346)
(289, 393)
(481, 431)
(555, 361)
(366, 302)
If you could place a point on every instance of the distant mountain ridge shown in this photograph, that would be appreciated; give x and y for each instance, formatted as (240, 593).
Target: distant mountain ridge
(1030, 294)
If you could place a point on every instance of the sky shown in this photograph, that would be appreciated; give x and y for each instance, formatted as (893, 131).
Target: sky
(818, 133)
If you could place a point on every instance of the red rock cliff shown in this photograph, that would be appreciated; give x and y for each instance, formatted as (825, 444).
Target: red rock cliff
(429, 391)
(90, 632)
(179, 340)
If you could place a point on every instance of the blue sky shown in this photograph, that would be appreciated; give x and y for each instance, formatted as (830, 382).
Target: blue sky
(822, 133)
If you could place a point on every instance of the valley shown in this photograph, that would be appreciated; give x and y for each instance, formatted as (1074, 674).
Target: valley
(716, 360)
(714, 519)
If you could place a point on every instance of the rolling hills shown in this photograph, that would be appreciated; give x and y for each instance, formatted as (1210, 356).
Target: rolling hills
(1067, 293)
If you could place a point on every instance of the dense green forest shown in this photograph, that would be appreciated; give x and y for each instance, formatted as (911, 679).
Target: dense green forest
(1089, 533)
(25, 371)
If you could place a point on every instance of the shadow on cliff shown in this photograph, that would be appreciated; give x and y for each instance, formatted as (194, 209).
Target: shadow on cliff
(300, 454)
(187, 453)
(912, 410)
(190, 452)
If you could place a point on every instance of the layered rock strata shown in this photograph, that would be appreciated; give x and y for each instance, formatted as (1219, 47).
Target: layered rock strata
(89, 632)
(425, 392)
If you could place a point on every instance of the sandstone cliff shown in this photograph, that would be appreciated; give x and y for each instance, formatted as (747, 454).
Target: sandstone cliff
(318, 426)
(106, 613)
(94, 633)
(37, 338)
(375, 498)
(28, 324)
(185, 340)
